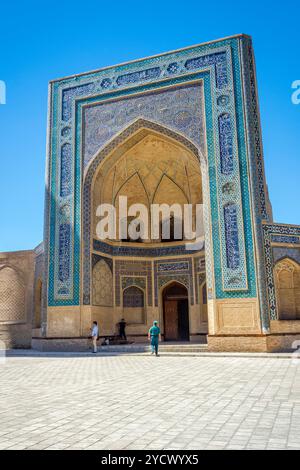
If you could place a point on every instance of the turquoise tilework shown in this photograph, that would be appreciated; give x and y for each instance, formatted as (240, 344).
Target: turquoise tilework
(221, 273)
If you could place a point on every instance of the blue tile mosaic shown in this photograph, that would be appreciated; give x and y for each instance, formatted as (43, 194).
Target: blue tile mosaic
(232, 236)
(127, 250)
(223, 100)
(174, 266)
(106, 83)
(219, 60)
(64, 252)
(285, 239)
(66, 170)
(142, 75)
(173, 67)
(226, 144)
(180, 109)
(69, 94)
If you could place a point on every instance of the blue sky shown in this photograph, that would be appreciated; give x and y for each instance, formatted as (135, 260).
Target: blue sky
(40, 42)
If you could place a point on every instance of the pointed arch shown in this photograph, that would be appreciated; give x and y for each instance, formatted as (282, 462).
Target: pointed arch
(133, 297)
(123, 142)
(168, 186)
(287, 284)
(176, 311)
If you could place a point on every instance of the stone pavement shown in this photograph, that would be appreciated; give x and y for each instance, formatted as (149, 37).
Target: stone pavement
(144, 402)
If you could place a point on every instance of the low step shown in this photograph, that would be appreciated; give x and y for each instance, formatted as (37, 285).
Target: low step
(84, 345)
(135, 348)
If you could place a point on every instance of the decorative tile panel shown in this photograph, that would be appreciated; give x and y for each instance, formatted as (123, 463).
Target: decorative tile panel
(140, 271)
(279, 230)
(70, 94)
(232, 236)
(136, 251)
(134, 77)
(219, 61)
(285, 239)
(64, 249)
(181, 270)
(133, 297)
(179, 108)
(134, 281)
(66, 170)
(284, 252)
(174, 266)
(226, 144)
(218, 66)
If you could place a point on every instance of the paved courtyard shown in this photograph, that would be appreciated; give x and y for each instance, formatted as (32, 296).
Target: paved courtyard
(142, 402)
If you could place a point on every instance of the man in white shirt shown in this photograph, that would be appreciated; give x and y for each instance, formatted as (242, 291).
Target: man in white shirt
(95, 334)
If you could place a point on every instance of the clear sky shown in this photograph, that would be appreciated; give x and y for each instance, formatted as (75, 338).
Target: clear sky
(41, 41)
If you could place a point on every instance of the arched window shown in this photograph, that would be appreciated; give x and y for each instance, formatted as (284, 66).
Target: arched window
(133, 297)
(287, 281)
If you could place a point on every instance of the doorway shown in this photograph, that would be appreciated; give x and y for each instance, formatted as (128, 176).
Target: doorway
(176, 313)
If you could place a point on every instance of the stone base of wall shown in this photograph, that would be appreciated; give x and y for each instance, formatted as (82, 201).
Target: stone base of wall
(225, 343)
(15, 336)
(85, 344)
(61, 344)
(238, 343)
(283, 342)
(199, 338)
(74, 344)
(253, 343)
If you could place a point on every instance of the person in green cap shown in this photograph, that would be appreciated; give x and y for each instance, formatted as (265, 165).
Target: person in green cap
(154, 335)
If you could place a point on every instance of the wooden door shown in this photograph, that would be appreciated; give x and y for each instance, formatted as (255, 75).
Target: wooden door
(171, 319)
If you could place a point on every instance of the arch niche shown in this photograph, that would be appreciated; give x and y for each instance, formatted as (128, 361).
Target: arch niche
(287, 282)
(147, 163)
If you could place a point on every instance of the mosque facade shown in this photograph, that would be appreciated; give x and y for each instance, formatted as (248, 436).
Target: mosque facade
(181, 128)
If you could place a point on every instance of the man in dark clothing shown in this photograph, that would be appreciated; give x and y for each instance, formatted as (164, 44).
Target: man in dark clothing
(122, 326)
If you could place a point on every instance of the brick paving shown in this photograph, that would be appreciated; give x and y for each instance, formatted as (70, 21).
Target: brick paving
(143, 402)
